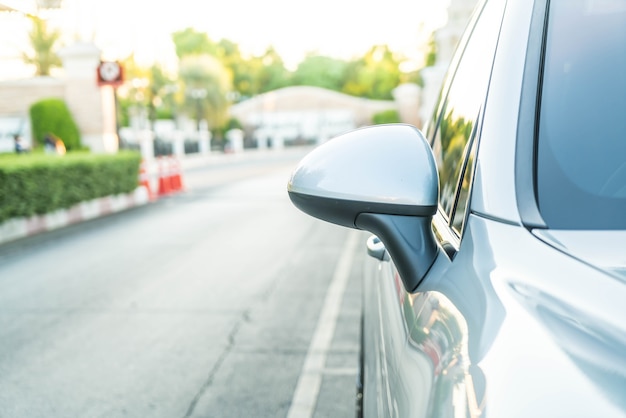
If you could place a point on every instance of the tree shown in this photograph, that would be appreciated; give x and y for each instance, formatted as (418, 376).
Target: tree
(250, 76)
(228, 53)
(191, 42)
(206, 85)
(160, 94)
(133, 96)
(375, 75)
(269, 72)
(321, 71)
(431, 53)
(43, 41)
(149, 91)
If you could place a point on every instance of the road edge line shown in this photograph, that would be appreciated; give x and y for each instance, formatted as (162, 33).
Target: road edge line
(307, 390)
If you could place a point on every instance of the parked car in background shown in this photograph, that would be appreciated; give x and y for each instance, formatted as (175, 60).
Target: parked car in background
(498, 279)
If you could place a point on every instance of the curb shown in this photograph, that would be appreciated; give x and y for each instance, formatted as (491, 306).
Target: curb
(17, 228)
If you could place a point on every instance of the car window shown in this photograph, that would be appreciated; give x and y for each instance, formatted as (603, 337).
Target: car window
(431, 125)
(581, 151)
(460, 211)
(460, 111)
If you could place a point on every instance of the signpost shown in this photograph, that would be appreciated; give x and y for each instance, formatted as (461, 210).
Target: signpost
(110, 73)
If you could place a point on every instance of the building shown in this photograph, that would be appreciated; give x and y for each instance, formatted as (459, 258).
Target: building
(304, 114)
(92, 106)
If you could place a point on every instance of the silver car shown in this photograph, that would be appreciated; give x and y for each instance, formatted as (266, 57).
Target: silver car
(498, 278)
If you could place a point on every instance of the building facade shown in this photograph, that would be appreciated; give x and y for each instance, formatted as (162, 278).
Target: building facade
(304, 114)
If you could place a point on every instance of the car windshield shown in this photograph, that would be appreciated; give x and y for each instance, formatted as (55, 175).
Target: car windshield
(581, 153)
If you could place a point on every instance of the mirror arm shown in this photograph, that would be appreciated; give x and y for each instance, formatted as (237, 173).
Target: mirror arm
(408, 239)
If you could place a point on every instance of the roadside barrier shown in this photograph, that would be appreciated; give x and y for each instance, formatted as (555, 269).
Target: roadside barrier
(144, 180)
(176, 175)
(170, 175)
(164, 177)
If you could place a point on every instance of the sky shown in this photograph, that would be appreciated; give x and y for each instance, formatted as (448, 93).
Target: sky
(337, 28)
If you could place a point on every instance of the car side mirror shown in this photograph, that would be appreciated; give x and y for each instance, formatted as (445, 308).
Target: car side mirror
(382, 179)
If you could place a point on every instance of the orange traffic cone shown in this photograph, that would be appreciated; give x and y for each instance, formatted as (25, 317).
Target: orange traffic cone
(177, 179)
(164, 178)
(144, 180)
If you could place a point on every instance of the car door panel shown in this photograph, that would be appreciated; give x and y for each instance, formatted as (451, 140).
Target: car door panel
(396, 361)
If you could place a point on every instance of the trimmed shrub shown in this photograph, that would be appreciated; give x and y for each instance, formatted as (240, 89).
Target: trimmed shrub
(38, 184)
(53, 116)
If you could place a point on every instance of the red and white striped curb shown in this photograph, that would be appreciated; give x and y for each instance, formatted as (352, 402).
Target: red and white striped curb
(16, 228)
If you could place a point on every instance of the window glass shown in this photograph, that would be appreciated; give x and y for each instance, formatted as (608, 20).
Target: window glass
(458, 219)
(431, 125)
(581, 151)
(467, 94)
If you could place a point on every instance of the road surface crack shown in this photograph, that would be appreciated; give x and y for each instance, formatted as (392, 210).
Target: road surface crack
(245, 317)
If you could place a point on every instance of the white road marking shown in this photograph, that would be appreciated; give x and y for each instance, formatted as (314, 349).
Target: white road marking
(308, 387)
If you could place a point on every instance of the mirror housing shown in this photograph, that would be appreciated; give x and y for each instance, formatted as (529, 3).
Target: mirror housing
(382, 179)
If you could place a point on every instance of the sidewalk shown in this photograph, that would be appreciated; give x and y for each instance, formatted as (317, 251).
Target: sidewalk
(17, 228)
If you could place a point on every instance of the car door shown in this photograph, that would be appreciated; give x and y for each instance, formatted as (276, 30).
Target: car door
(415, 340)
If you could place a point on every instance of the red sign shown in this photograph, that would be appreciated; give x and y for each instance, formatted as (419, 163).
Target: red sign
(110, 73)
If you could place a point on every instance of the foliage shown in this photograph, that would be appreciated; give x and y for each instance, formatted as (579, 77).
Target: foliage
(414, 77)
(250, 76)
(53, 116)
(219, 134)
(386, 116)
(150, 89)
(191, 42)
(228, 54)
(264, 73)
(131, 96)
(321, 71)
(375, 75)
(161, 101)
(38, 183)
(236, 77)
(207, 84)
(372, 76)
(431, 55)
(43, 41)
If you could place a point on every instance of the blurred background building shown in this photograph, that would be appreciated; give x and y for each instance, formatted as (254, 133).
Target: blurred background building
(274, 119)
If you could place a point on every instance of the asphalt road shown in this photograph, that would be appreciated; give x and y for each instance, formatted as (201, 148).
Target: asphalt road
(222, 301)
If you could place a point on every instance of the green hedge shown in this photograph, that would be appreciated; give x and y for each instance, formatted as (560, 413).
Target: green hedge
(53, 116)
(386, 116)
(38, 184)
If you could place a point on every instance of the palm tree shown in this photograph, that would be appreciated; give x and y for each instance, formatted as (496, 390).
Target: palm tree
(43, 41)
(207, 83)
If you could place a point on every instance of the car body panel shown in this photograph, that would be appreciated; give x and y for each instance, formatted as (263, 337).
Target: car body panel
(492, 334)
(496, 152)
(602, 249)
(389, 378)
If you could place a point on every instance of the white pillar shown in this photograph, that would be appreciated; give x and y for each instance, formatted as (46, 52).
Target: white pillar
(178, 144)
(204, 138)
(407, 97)
(235, 137)
(145, 137)
(261, 138)
(93, 107)
(433, 78)
(278, 142)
